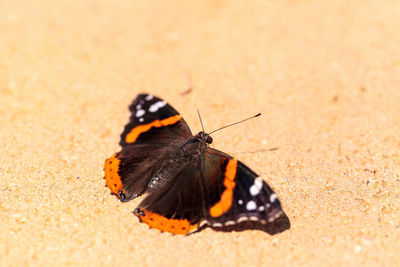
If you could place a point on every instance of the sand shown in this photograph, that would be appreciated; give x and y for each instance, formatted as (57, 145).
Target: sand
(325, 76)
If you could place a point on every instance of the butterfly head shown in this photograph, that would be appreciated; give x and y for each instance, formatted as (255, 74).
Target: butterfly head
(205, 137)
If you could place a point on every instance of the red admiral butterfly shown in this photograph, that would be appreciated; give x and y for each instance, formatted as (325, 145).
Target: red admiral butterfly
(189, 185)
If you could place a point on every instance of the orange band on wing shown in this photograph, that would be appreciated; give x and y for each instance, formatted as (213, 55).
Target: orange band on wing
(135, 132)
(225, 202)
(113, 180)
(174, 226)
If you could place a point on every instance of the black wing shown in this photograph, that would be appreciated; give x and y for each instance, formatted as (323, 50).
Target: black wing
(215, 190)
(153, 121)
(177, 206)
(247, 202)
(154, 130)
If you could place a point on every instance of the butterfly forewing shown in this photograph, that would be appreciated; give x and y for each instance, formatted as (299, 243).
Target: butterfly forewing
(154, 130)
(153, 120)
(244, 195)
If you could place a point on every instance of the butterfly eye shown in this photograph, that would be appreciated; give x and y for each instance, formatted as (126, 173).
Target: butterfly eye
(209, 139)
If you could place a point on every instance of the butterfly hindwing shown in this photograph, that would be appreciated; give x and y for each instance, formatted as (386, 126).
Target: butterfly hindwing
(177, 206)
(182, 204)
(129, 172)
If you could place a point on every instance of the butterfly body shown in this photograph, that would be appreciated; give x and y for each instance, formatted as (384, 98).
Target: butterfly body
(188, 184)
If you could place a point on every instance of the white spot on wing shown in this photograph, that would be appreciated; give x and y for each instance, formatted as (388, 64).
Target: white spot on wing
(256, 187)
(139, 106)
(251, 205)
(141, 119)
(261, 208)
(272, 198)
(240, 202)
(258, 182)
(276, 216)
(149, 97)
(242, 219)
(253, 218)
(202, 223)
(140, 113)
(156, 106)
(229, 223)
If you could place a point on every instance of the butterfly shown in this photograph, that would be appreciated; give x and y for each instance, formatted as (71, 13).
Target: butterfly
(188, 185)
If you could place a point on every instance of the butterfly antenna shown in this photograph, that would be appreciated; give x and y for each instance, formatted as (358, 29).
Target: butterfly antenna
(235, 123)
(201, 122)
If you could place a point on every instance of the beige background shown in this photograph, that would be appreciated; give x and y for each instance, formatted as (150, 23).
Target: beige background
(326, 77)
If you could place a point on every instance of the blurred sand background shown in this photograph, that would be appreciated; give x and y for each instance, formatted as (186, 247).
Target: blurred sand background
(325, 75)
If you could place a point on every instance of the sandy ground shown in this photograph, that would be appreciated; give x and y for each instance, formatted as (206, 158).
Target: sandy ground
(325, 75)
